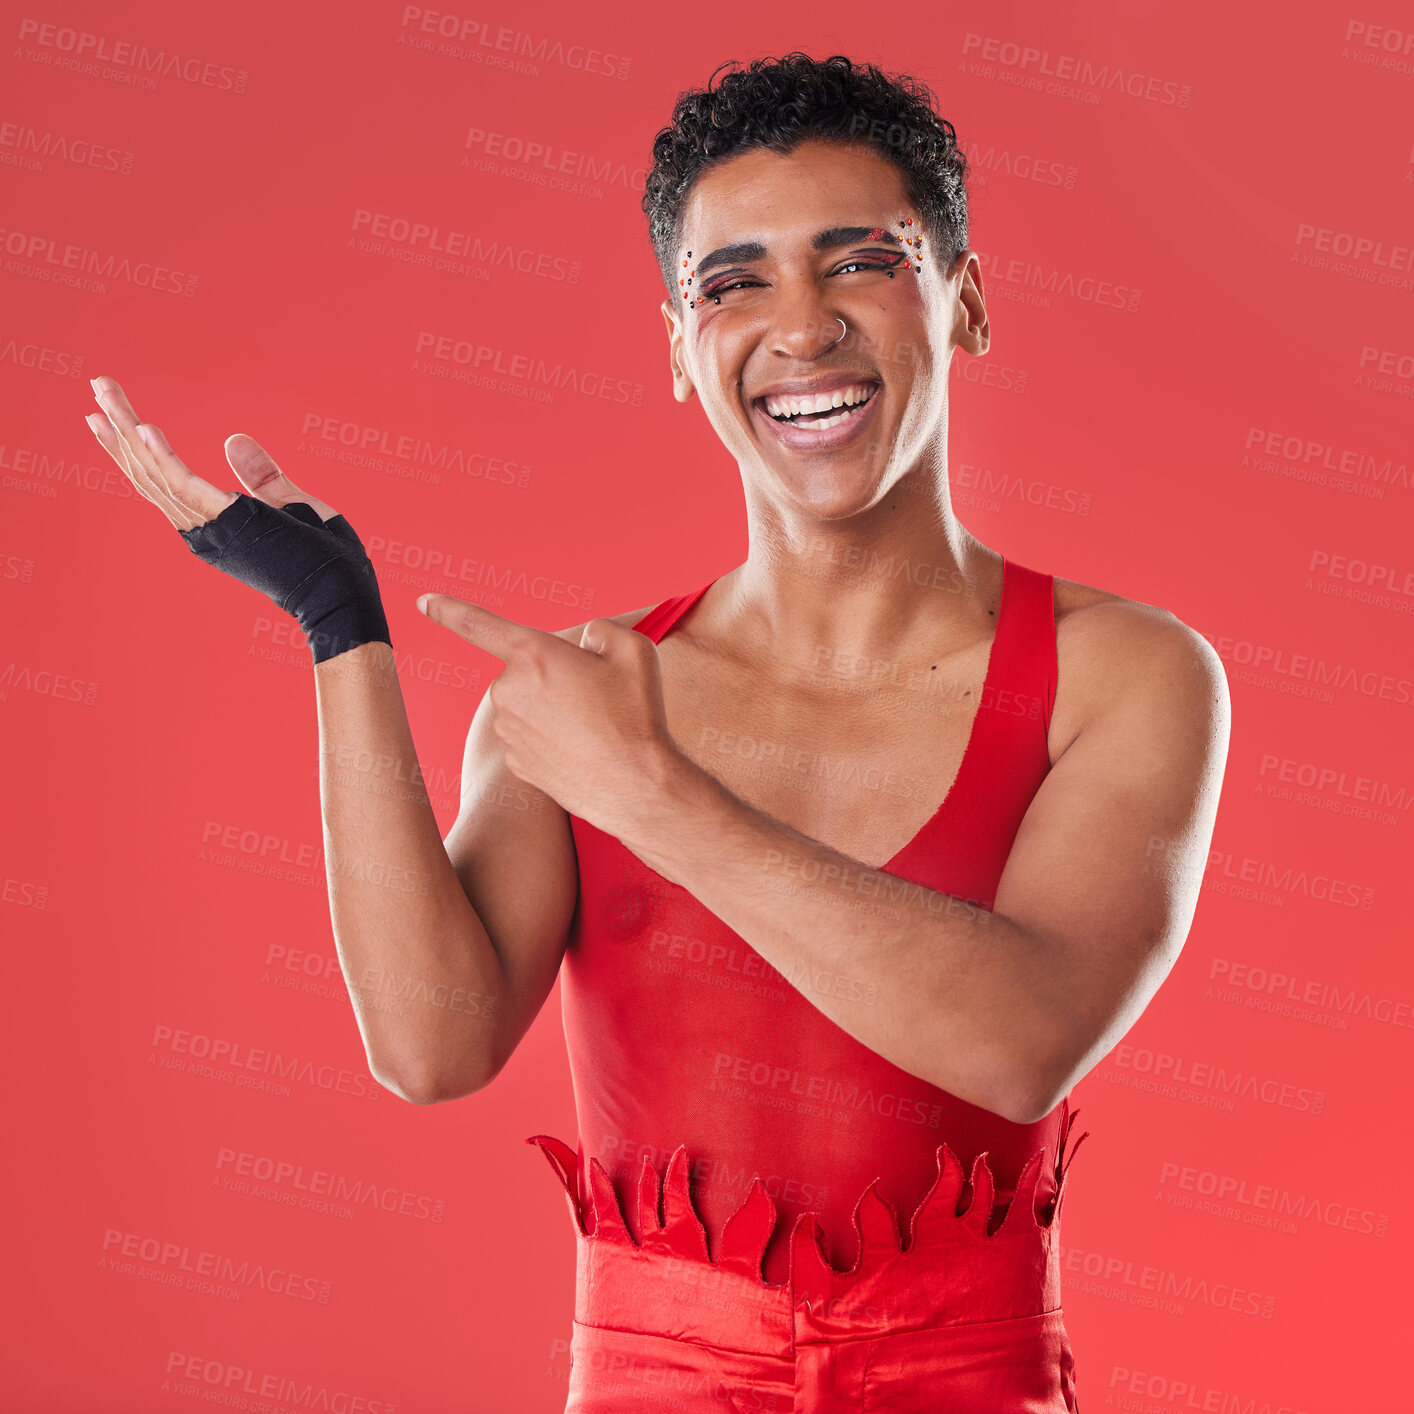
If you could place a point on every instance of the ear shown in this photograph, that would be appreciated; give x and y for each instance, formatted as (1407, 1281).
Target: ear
(683, 385)
(972, 331)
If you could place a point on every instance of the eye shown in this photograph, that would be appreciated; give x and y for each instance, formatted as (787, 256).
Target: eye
(888, 262)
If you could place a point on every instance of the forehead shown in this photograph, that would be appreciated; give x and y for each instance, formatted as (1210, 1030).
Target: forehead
(766, 195)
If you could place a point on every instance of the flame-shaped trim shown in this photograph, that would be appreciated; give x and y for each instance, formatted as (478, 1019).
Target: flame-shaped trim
(670, 1226)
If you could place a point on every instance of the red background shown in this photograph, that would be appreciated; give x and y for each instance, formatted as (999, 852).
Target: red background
(1229, 438)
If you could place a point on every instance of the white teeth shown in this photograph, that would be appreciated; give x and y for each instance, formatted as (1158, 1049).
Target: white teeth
(819, 402)
(822, 424)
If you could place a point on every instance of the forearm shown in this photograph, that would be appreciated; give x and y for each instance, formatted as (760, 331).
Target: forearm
(943, 988)
(420, 967)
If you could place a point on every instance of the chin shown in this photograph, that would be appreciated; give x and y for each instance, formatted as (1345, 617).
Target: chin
(823, 495)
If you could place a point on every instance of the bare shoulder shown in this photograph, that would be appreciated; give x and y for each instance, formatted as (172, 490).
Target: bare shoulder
(1098, 628)
(1112, 650)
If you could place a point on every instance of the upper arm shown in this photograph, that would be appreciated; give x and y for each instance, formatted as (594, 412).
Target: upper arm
(1108, 862)
(513, 851)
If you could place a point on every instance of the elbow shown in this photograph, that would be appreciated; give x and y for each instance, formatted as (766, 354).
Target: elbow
(1022, 1101)
(1033, 1106)
(1039, 1087)
(426, 1085)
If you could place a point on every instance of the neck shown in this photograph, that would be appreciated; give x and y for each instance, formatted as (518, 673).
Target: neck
(901, 581)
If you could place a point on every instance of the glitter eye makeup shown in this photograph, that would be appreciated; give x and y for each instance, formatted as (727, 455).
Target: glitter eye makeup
(916, 242)
(879, 233)
(694, 293)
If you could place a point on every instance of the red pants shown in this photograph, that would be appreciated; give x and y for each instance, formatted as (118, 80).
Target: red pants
(964, 1320)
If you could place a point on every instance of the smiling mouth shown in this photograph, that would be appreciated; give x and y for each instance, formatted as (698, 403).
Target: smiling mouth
(824, 420)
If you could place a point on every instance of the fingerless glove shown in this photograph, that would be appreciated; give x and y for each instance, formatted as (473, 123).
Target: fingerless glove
(315, 569)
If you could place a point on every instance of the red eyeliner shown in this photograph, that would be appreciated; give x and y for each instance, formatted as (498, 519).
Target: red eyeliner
(877, 234)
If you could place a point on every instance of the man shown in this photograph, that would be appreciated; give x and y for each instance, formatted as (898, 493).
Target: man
(856, 858)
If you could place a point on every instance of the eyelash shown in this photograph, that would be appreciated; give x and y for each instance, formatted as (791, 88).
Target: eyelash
(894, 262)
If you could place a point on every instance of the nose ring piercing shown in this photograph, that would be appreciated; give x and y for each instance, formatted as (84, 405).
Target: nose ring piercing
(844, 329)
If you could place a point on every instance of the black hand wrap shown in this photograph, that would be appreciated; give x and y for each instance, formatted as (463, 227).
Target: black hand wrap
(315, 569)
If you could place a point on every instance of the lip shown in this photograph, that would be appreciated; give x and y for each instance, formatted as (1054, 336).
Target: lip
(798, 439)
(821, 383)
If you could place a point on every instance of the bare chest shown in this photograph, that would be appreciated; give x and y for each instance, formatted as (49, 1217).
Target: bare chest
(855, 752)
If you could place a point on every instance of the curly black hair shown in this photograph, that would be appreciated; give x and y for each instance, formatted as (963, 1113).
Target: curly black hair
(778, 103)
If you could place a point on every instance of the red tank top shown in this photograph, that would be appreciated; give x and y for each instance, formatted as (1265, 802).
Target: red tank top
(680, 1034)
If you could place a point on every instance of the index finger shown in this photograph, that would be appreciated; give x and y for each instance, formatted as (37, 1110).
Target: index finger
(501, 637)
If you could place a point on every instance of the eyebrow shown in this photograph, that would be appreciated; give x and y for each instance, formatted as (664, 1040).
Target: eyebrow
(832, 238)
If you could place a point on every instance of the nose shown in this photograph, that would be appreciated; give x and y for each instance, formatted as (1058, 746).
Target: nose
(805, 327)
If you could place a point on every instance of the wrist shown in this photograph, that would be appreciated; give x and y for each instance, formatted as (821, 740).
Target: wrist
(664, 787)
(347, 624)
(369, 662)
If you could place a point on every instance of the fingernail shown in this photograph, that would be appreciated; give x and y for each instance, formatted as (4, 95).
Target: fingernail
(422, 602)
(94, 422)
(93, 383)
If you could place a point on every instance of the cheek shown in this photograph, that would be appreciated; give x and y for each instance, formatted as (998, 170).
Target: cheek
(704, 325)
(697, 344)
(715, 355)
(899, 335)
